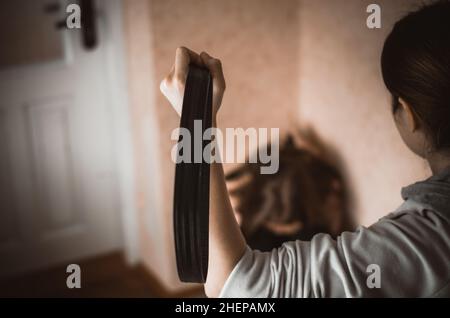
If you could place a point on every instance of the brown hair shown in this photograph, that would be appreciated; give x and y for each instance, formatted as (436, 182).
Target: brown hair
(416, 67)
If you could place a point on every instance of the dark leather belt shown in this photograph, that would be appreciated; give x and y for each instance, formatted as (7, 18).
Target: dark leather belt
(191, 197)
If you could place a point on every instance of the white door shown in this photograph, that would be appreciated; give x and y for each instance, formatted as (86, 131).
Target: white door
(58, 187)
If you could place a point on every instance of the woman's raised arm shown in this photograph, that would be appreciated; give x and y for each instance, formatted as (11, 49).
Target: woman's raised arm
(226, 242)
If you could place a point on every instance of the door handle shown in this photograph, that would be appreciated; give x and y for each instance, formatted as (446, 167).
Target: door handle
(88, 24)
(88, 21)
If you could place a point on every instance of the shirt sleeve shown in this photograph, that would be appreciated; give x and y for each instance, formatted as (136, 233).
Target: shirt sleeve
(405, 255)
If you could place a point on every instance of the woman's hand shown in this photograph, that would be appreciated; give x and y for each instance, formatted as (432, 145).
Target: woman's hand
(172, 86)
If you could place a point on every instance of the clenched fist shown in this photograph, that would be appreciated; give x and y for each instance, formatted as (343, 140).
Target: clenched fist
(172, 86)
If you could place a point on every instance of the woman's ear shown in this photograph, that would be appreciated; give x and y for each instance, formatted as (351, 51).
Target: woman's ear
(410, 118)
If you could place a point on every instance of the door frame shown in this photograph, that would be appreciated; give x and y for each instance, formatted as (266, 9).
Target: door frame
(121, 126)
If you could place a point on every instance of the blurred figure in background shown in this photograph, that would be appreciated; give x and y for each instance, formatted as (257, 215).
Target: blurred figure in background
(305, 197)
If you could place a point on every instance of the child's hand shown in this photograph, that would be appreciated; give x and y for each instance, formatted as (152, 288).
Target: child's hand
(172, 86)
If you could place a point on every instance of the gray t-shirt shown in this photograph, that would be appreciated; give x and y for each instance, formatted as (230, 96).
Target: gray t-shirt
(405, 254)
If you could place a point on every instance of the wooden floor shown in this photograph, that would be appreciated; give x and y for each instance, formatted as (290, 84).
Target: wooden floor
(104, 276)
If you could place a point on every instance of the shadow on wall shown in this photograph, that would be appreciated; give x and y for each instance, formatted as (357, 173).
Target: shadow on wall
(307, 196)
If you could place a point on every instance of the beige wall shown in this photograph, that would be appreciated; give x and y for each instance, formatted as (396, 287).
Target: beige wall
(152, 220)
(286, 61)
(342, 95)
(257, 43)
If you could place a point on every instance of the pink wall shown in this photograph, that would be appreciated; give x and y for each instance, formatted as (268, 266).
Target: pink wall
(285, 62)
(342, 95)
(257, 41)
